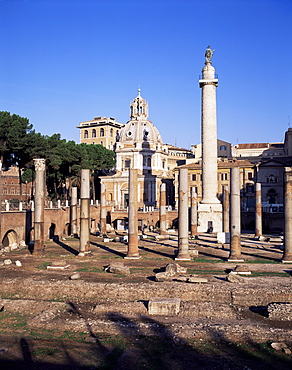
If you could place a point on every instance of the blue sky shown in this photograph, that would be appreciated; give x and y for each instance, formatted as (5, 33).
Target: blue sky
(64, 62)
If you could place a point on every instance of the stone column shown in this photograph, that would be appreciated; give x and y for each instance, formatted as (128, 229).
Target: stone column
(133, 252)
(225, 209)
(162, 209)
(210, 208)
(287, 257)
(208, 85)
(102, 209)
(39, 205)
(84, 212)
(258, 210)
(74, 210)
(183, 217)
(235, 228)
(194, 213)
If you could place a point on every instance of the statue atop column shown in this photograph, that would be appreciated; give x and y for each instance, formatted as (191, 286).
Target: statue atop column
(209, 54)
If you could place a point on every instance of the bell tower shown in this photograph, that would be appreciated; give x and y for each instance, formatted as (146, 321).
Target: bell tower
(139, 108)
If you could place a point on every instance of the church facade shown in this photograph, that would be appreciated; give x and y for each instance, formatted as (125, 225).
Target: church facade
(139, 145)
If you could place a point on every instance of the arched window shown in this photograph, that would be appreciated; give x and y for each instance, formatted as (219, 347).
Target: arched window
(5, 191)
(149, 162)
(111, 132)
(85, 134)
(102, 132)
(94, 132)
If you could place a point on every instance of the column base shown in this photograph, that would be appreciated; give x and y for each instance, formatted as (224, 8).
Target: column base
(235, 260)
(183, 258)
(81, 254)
(132, 257)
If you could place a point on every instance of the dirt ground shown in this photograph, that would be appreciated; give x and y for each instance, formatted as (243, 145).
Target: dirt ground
(101, 320)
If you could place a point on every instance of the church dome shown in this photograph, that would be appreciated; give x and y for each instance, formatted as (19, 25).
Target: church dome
(139, 129)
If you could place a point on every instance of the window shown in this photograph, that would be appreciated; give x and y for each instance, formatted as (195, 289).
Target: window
(272, 179)
(249, 175)
(111, 132)
(194, 177)
(101, 143)
(5, 191)
(94, 132)
(148, 162)
(18, 191)
(85, 134)
(224, 176)
(102, 132)
(223, 147)
(163, 164)
(127, 163)
(12, 191)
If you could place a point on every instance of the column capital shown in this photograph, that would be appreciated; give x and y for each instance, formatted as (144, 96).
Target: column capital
(39, 164)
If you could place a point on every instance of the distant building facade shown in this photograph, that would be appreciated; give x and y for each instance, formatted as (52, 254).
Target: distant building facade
(100, 130)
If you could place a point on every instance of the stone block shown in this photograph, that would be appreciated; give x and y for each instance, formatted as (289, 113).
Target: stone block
(234, 278)
(193, 252)
(118, 267)
(164, 306)
(194, 279)
(162, 276)
(242, 270)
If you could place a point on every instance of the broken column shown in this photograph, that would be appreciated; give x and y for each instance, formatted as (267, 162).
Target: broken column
(162, 209)
(84, 212)
(102, 209)
(225, 209)
(183, 217)
(258, 210)
(73, 209)
(133, 252)
(235, 229)
(39, 205)
(287, 257)
(194, 213)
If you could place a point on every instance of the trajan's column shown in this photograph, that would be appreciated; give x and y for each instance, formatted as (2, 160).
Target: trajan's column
(209, 209)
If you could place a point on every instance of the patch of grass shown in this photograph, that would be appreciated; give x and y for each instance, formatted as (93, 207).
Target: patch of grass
(89, 269)
(262, 260)
(270, 273)
(40, 352)
(43, 266)
(203, 271)
(207, 260)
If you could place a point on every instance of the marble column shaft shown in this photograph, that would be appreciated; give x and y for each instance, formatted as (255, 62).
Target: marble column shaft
(39, 205)
(226, 209)
(235, 227)
(84, 212)
(73, 208)
(102, 209)
(287, 257)
(133, 252)
(183, 216)
(258, 210)
(162, 209)
(194, 212)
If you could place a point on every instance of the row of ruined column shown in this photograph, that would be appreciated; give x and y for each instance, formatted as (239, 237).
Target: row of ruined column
(231, 213)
